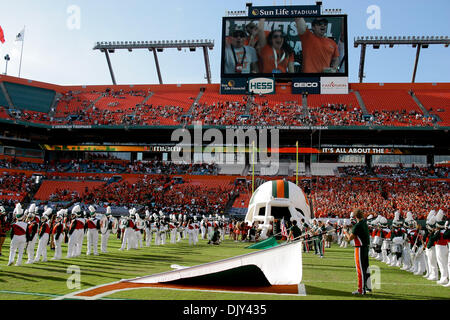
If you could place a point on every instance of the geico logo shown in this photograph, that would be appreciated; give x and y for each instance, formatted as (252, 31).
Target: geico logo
(306, 84)
(261, 85)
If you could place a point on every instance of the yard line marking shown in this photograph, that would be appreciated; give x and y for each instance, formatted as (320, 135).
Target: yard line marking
(31, 293)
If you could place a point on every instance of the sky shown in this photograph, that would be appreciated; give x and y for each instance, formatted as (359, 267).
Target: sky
(60, 36)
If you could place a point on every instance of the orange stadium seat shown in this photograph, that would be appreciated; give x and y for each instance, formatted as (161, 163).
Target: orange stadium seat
(50, 187)
(436, 101)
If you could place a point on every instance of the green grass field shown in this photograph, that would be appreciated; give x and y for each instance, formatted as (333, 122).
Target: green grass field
(333, 277)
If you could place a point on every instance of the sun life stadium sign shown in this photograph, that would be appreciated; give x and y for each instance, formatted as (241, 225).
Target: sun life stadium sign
(283, 11)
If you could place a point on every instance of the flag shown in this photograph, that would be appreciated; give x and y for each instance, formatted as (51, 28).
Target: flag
(2, 35)
(20, 35)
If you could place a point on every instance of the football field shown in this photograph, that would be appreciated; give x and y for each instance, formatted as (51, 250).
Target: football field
(330, 278)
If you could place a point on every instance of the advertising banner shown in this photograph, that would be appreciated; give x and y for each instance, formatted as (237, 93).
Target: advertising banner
(283, 11)
(309, 85)
(261, 86)
(233, 86)
(334, 85)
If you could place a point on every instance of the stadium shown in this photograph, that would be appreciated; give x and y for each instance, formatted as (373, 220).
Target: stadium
(172, 152)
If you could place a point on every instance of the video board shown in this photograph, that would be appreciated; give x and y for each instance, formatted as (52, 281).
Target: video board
(284, 47)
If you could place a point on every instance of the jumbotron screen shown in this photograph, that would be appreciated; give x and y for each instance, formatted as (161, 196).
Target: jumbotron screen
(284, 47)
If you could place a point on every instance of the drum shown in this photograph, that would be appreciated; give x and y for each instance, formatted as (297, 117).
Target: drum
(377, 241)
(396, 248)
(123, 223)
(386, 245)
(104, 224)
(114, 225)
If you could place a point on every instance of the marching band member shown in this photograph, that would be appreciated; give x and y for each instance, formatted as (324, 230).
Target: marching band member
(190, 230)
(93, 225)
(32, 235)
(76, 226)
(139, 225)
(396, 241)
(378, 240)
(385, 235)
(430, 250)
(173, 229)
(162, 231)
(407, 265)
(197, 230)
(57, 232)
(203, 227)
(181, 228)
(5, 226)
(105, 236)
(18, 236)
(148, 234)
(44, 234)
(440, 244)
(418, 257)
(82, 219)
(447, 236)
(209, 227)
(128, 234)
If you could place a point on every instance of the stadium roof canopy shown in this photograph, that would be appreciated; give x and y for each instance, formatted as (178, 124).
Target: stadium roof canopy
(156, 46)
(414, 41)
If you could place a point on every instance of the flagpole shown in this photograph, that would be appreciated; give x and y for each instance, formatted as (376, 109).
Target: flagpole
(253, 166)
(21, 51)
(296, 161)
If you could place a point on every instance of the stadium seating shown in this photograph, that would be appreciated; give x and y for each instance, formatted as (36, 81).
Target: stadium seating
(436, 102)
(63, 189)
(393, 108)
(29, 97)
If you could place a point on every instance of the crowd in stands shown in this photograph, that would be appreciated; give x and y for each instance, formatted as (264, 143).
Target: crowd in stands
(395, 172)
(219, 113)
(400, 118)
(336, 197)
(118, 167)
(128, 108)
(336, 115)
(16, 187)
(159, 192)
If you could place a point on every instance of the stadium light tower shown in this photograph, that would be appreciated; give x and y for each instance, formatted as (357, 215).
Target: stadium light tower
(7, 58)
(415, 42)
(155, 46)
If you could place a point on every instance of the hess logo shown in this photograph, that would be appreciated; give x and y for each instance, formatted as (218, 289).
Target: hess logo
(261, 85)
(306, 85)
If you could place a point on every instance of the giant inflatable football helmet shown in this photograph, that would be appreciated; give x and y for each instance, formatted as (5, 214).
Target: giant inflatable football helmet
(277, 199)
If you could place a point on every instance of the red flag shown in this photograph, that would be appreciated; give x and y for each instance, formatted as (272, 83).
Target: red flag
(2, 35)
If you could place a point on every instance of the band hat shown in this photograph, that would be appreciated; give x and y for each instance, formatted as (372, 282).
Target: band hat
(76, 209)
(440, 215)
(108, 210)
(431, 214)
(48, 212)
(91, 209)
(2, 210)
(409, 216)
(32, 207)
